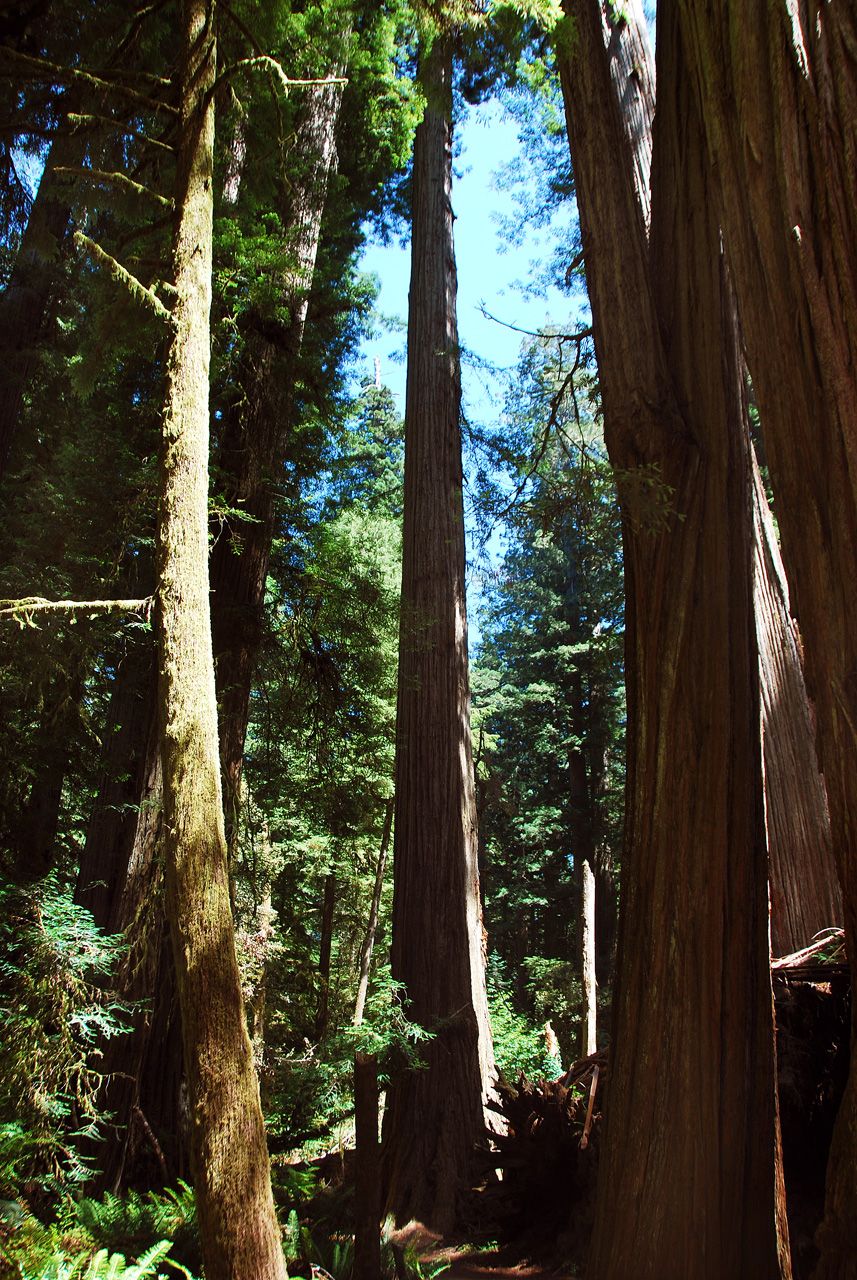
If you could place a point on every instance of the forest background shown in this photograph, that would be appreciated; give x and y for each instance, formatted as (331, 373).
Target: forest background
(316, 109)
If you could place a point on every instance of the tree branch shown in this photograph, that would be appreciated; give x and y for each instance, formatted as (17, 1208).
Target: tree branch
(22, 609)
(79, 121)
(271, 64)
(113, 179)
(531, 333)
(40, 69)
(122, 276)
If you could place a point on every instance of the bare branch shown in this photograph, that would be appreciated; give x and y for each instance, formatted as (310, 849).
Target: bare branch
(531, 333)
(122, 276)
(263, 61)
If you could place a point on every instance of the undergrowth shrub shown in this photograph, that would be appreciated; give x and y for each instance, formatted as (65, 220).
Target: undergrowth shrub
(518, 1046)
(66, 1251)
(56, 1010)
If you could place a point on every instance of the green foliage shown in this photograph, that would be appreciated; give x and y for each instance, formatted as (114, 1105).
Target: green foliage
(555, 994)
(518, 1046)
(55, 1011)
(318, 769)
(35, 1252)
(128, 1224)
(104, 1266)
(310, 1091)
(333, 1255)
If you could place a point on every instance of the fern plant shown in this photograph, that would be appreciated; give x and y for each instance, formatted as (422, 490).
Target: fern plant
(129, 1223)
(104, 1266)
(60, 1252)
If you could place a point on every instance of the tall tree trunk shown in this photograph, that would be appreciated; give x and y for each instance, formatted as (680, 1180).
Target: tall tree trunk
(805, 893)
(116, 880)
(778, 85)
(238, 1224)
(254, 444)
(435, 1116)
(688, 1185)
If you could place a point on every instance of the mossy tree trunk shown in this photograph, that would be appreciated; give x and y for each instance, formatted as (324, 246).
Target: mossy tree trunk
(229, 1159)
(120, 878)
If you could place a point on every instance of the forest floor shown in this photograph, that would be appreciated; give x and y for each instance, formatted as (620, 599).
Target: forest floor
(500, 1265)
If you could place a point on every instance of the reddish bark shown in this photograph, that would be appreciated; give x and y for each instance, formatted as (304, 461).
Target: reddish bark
(778, 87)
(435, 1116)
(687, 1186)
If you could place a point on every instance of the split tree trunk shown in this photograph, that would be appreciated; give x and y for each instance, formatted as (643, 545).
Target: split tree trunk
(805, 893)
(435, 1116)
(688, 1186)
(238, 1224)
(778, 86)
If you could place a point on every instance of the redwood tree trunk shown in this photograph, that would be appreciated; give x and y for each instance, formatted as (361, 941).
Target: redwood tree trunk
(121, 881)
(238, 1225)
(805, 894)
(778, 85)
(688, 1181)
(435, 1116)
